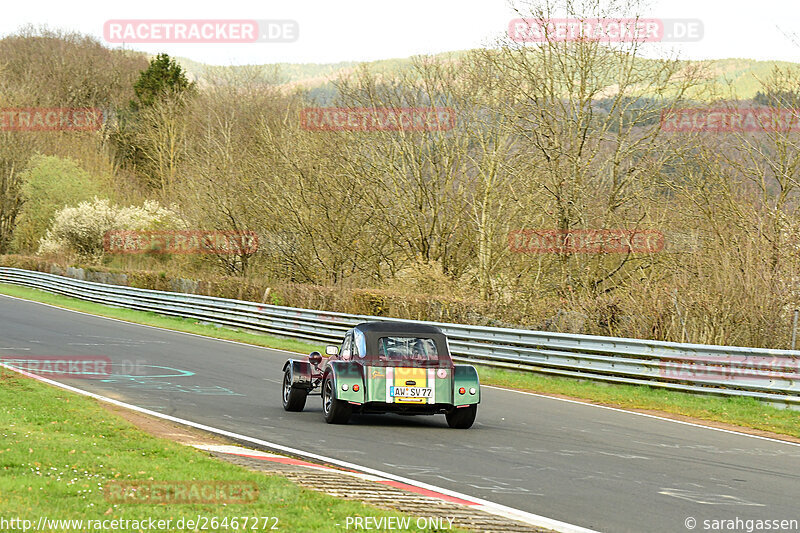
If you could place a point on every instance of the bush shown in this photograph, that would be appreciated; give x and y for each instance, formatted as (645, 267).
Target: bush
(80, 229)
(49, 184)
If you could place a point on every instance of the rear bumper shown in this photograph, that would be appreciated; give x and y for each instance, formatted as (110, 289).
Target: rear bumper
(402, 408)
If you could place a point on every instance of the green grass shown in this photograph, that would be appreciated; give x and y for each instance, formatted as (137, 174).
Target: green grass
(744, 412)
(59, 449)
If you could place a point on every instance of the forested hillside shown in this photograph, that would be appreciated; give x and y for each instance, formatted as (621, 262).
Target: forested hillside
(558, 136)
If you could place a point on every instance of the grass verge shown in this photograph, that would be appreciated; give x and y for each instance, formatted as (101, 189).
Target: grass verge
(60, 449)
(742, 412)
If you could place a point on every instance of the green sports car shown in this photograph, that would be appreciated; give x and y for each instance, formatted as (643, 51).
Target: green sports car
(385, 367)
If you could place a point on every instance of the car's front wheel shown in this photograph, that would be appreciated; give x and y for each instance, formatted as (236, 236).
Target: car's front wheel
(294, 399)
(462, 418)
(335, 411)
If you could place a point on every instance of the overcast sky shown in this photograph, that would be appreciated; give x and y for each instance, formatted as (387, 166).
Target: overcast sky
(364, 30)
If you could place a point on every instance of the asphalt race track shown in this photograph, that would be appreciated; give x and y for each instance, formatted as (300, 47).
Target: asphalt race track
(593, 467)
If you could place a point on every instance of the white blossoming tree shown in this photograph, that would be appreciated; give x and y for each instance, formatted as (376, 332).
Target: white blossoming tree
(80, 229)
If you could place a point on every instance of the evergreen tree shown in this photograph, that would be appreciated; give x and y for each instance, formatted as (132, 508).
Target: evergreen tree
(164, 76)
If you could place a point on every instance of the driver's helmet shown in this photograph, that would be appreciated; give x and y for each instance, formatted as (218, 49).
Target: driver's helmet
(418, 350)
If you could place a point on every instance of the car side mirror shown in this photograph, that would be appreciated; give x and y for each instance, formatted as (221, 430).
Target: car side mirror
(315, 358)
(331, 350)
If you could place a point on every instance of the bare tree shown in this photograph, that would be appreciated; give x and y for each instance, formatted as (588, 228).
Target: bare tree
(589, 121)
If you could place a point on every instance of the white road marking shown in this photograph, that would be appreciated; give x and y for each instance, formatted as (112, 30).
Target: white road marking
(235, 450)
(576, 402)
(485, 505)
(713, 449)
(707, 498)
(646, 415)
(487, 386)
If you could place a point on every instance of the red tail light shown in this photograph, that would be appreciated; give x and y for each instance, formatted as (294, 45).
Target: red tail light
(462, 390)
(355, 388)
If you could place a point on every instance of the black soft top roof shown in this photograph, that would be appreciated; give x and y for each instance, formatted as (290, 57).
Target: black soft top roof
(393, 328)
(373, 331)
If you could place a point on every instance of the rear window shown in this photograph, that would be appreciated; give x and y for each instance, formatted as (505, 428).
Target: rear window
(407, 349)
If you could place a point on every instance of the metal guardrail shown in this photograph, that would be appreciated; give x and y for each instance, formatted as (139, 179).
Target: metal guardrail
(764, 374)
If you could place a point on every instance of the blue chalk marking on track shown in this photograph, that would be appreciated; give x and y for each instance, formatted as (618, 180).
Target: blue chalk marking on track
(179, 374)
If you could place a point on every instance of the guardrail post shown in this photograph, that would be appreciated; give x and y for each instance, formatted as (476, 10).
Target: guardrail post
(605, 359)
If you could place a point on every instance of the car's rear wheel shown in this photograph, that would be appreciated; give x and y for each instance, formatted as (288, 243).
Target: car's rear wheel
(462, 418)
(335, 411)
(294, 399)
